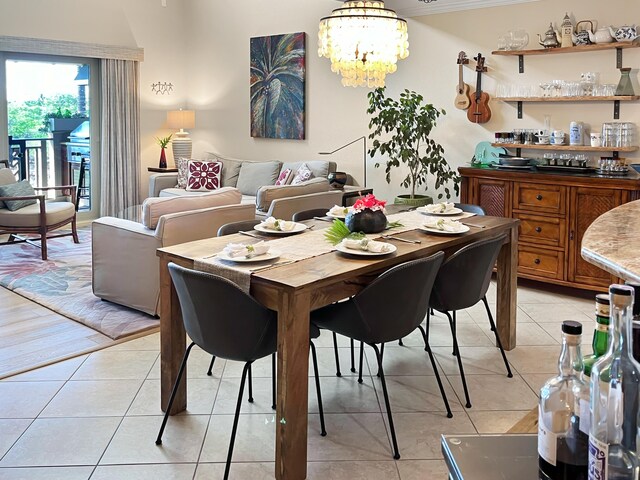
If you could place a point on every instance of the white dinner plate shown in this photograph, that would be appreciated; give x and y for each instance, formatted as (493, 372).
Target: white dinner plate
(443, 232)
(270, 255)
(331, 215)
(298, 227)
(365, 253)
(453, 211)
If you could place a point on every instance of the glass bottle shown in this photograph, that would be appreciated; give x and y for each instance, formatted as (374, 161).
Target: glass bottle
(636, 321)
(600, 334)
(614, 398)
(563, 414)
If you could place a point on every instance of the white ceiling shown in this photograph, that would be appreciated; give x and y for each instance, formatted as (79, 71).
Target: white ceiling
(416, 8)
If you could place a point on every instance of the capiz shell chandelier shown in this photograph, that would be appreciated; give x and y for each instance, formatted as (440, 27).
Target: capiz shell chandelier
(364, 41)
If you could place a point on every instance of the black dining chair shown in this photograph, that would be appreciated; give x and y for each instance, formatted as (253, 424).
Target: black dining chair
(226, 322)
(309, 214)
(463, 281)
(469, 208)
(235, 227)
(386, 310)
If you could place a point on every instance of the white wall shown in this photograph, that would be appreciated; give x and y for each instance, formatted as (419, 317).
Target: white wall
(202, 47)
(218, 66)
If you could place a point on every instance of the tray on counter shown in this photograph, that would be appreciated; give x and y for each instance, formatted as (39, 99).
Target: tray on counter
(565, 169)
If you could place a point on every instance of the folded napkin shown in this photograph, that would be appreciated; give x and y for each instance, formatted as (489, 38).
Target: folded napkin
(443, 207)
(339, 211)
(444, 224)
(235, 250)
(366, 245)
(280, 225)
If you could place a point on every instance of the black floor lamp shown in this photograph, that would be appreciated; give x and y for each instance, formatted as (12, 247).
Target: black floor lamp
(364, 154)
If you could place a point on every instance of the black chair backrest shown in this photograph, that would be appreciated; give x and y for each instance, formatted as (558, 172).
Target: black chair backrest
(222, 319)
(464, 277)
(4, 163)
(467, 207)
(309, 214)
(395, 303)
(235, 227)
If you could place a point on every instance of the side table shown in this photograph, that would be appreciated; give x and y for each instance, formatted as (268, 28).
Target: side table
(352, 191)
(162, 170)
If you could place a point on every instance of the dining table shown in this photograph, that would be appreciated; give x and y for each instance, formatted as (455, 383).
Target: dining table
(294, 289)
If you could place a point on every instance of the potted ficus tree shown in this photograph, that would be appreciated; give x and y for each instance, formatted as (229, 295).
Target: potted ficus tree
(400, 130)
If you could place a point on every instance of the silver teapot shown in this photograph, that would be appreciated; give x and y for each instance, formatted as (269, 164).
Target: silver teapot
(550, 38)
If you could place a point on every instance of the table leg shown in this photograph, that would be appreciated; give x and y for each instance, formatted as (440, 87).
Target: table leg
(172, 342)
(507, 285)
(293, 376)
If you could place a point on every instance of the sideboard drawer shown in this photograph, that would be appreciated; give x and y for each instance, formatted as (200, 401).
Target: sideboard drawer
(541, 262)
(539, 198)
(539, 230)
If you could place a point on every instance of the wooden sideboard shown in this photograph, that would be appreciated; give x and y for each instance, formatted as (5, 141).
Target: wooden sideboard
(554, 212)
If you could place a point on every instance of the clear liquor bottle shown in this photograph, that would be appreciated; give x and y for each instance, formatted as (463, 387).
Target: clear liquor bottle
(614, 398)
(600, 334)
(563, 414)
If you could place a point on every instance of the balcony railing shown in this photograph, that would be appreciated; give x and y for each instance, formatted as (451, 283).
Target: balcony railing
(33, 159)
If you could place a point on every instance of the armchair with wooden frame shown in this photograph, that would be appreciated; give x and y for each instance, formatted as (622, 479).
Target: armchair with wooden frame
(39, 218)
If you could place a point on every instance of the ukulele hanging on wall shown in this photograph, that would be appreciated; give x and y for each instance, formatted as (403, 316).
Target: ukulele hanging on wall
(479, 111)
(462, 100)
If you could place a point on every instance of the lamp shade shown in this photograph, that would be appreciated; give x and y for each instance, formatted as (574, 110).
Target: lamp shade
(181, 119)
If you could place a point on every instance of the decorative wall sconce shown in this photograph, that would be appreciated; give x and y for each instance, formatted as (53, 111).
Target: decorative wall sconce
(162, 88)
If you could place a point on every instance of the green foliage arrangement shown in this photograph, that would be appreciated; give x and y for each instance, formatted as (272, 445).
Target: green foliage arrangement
(164, 141)
(406, 124)
(29, 118)
(339, 231)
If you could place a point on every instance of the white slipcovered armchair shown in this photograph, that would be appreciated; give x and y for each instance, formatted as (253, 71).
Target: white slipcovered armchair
(125, 265)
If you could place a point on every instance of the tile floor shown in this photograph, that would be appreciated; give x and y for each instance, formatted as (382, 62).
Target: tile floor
(97, 416)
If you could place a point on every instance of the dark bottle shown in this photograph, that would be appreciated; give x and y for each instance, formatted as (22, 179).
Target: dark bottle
(563, 414)
(600, 334)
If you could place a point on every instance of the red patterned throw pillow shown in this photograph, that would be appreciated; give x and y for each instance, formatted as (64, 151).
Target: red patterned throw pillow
(203, 176)
(284, 177)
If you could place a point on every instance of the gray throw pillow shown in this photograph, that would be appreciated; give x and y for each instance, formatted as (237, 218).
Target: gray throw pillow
(230, 169)
(6, 177)
(18, 189)
(254, 175)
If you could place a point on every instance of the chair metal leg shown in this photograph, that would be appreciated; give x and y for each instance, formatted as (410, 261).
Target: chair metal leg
(400, 342)
(361, 359)
(427, 349)
(210, 371)
(174, 391)
(460, 367)
(335, 352)
(250, 399)
(353, 362)
(396, 453)
(495, 332)
(245, 370)
(314, 357)
(454, 331)
(381, 355)
(273, 381)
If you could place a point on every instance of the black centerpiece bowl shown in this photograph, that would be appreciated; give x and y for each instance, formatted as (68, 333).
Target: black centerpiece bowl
(366, 221)
(337, 179)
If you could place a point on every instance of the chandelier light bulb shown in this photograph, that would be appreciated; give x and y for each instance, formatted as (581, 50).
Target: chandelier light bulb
(364, 41)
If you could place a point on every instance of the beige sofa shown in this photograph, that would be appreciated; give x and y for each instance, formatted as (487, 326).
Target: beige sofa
(125, 266)
(256, 182)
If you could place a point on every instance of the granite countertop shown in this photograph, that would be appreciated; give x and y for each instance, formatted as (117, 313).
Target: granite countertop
(612, 241)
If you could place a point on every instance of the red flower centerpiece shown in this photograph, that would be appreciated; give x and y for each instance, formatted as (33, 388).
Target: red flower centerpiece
(367, 215)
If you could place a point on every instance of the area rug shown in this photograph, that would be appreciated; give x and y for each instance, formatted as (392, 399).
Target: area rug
(63, 284)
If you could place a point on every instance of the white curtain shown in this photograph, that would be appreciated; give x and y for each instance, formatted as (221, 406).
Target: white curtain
(120, 138)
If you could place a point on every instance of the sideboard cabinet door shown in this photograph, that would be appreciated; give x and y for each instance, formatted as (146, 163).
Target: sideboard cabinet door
(493, 196)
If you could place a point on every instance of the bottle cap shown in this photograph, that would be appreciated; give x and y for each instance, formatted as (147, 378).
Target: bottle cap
(636, 304)
(602, 298)
(602, 305)
(621, 295)
(571, 327)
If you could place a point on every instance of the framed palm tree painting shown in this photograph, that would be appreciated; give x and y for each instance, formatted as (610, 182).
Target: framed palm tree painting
(278, 86)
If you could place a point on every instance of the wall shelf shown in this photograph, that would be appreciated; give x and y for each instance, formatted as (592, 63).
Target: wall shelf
(571, 148)
(616, 99)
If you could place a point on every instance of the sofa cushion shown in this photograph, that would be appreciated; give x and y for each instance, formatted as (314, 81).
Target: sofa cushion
(302, 175)
(254, 175)
(29, 216)
(285, 177)
(269, 193)
(6, 177)
(17, 189)
(154, 208)
(203, 176)
(230, 169)
(320, 168)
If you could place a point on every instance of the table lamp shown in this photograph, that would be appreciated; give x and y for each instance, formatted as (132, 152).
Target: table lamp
(181, 143)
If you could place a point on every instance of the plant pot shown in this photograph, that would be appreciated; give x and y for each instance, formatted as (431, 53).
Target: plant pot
(65, 124)
(416, 201)
(366, 221)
